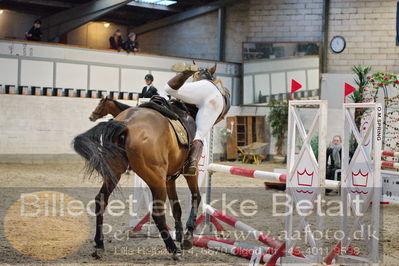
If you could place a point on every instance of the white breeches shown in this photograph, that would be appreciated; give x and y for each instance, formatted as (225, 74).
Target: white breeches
(208, 100)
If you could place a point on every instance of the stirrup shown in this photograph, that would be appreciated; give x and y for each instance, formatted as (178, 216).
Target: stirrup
(191, 170)
(184, 67)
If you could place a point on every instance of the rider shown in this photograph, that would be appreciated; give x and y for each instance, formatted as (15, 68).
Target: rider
(149, 90)
(205, 96)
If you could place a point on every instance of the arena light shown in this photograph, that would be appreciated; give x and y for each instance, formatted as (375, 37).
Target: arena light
(1, 11)
(166, 3)
(148, 1)
(106, 24)
(157, 2)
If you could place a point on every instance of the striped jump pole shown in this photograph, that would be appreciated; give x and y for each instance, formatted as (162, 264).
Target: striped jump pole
(141, 223)
(250, 173)
(390, 154)
(247, 172)
(390, 164)
(268, 241)
(213, 220)
(266, 250)
(228, 248)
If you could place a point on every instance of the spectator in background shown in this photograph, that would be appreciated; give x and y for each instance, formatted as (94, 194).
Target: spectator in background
(115, 41)
(334, 152)
(131, 44)
(35, 33)
(149, 90)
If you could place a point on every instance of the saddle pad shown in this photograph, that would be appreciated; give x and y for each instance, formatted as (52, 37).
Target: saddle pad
(180, 132)
(160, 108)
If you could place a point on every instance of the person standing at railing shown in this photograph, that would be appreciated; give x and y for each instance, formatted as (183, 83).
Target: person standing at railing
(116, 41)
(131, 44)
(35, 33)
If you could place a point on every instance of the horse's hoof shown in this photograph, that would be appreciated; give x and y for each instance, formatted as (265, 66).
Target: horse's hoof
(98, 253)
(187, 242)
(177, 256)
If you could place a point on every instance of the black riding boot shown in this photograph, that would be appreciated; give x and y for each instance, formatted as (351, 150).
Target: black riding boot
(191, 168)
(185, 70)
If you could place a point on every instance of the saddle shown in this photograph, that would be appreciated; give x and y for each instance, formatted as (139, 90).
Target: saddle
(180, 116)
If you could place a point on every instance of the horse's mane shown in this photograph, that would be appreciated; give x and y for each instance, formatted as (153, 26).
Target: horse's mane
(120, 105)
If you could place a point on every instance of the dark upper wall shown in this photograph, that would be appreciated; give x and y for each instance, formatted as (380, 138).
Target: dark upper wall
(285, 20)
(369, 27)
(192, 38)
(13, 24)
(251, 20)
(197, 37)
(236, 30)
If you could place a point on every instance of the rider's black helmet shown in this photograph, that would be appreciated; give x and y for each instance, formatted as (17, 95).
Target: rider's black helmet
(149, 76)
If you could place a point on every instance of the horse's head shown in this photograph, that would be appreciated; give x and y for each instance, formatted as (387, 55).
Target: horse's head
(100, 111)
(205, 73)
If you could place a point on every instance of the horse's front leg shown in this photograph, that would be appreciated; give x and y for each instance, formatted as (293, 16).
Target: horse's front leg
(101, 201)
(176, 209)
(192, 182)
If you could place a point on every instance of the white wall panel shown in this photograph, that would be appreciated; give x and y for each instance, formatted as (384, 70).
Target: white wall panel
(278, 83)
(133, 79)
(313, 79)
(161, 78)
(101, 56)
(281, 72)
(103, 71)
(36, 73)
(8, 71)
(71, 76)
(332, 88)
(281, 64)
(262, 85)
(104, 78)
(248, 89)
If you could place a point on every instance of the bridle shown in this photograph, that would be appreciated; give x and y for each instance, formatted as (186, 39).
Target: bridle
(203, 73)
(102, 108)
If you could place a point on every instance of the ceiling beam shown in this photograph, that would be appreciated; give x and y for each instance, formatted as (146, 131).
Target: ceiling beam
(127, 14)
(152, 6)
(67, 20)
(121, 20)
(183, 16)
(44, 3)
(221, 33)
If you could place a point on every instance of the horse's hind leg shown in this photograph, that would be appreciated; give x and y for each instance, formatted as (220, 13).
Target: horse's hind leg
(158, 214)
(176, 209)
(101, 201)
(192, 182)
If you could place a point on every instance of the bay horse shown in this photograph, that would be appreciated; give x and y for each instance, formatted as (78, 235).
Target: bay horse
(107, 106)
(142, 139)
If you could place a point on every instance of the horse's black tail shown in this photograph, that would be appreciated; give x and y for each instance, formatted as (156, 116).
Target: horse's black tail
(103, 147)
